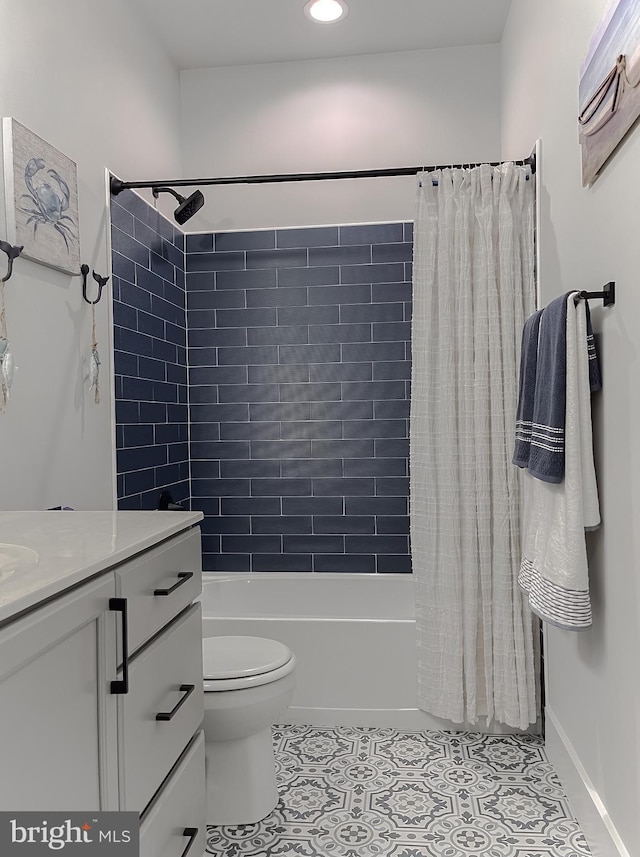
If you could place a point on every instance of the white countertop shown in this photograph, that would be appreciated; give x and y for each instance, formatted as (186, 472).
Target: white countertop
(44, 553)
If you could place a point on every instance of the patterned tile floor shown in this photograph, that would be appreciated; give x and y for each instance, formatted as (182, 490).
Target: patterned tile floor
(360, 792)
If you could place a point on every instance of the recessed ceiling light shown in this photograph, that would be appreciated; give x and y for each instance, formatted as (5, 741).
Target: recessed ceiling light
(325, 11)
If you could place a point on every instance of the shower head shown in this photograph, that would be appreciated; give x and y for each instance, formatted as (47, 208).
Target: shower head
(188, 205)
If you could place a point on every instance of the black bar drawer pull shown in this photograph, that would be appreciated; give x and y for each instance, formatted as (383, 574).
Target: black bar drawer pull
(183, 576)
(192, 833)
(122, 685)
(187, 689)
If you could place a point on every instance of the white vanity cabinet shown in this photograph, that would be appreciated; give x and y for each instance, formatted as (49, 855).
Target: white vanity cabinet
(58, 732)
(101, 698)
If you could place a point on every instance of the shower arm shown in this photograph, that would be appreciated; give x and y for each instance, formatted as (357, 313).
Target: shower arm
(117, 186)
(156, 191)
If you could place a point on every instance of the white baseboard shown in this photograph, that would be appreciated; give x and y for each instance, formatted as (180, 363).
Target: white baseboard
(598, 828)
(385, 718)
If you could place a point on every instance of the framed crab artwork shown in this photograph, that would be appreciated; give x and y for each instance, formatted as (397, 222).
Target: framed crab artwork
(41, 197)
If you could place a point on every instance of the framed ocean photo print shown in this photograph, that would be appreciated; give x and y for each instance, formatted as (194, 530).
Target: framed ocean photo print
(41, 198)
(609, 93)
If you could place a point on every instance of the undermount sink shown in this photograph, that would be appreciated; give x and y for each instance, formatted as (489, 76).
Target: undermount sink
(15, 558)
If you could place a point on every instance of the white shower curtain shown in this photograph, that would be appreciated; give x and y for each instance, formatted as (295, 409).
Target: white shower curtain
(473, 287)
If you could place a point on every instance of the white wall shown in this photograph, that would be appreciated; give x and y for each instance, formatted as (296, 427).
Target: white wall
(588, 237)
(386, 110)
(87, 77)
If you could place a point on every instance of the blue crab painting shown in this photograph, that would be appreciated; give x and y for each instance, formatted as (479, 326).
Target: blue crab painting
(41, 198)
(47, 199)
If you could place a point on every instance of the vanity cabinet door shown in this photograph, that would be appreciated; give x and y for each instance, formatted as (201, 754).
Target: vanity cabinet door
(58, 724)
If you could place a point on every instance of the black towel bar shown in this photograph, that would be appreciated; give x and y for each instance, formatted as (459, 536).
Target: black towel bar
(607, 295)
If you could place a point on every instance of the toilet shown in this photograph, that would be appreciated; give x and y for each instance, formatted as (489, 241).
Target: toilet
(248, 683)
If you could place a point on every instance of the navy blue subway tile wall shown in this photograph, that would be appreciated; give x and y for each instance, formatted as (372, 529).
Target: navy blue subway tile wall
(300, 365)
(150, 355)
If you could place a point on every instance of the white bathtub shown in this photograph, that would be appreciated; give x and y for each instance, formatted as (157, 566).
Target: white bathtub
(353, 636)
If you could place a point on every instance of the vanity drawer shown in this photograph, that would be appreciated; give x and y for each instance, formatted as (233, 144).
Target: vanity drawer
(165, 678)
(176, 817)
(159, 584)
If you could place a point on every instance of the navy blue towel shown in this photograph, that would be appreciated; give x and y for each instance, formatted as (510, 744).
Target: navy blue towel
(528, 367)
(540, 420)
(546, 456)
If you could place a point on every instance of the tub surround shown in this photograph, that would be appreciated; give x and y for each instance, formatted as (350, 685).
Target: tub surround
(58, 550)
(150, 361)
(291, 434)
(299, 371)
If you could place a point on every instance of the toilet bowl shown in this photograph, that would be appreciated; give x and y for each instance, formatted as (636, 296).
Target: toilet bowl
(248, 683)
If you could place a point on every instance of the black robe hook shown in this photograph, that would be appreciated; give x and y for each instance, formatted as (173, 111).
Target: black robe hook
(101, 281)
(12, 252)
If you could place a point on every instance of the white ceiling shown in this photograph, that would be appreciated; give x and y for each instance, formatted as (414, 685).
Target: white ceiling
(208, 33)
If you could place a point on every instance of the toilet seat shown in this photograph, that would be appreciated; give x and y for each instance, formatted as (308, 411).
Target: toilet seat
(234, 663)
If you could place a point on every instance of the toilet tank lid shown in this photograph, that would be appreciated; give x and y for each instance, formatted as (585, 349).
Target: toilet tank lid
(235, 657)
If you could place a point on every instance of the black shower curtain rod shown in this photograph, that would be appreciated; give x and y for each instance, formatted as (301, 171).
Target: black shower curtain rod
(117, 185)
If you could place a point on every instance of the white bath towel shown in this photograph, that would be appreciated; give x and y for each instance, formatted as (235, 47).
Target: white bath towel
(554, 570)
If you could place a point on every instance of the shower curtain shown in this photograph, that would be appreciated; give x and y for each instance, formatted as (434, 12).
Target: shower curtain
(473, 287)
